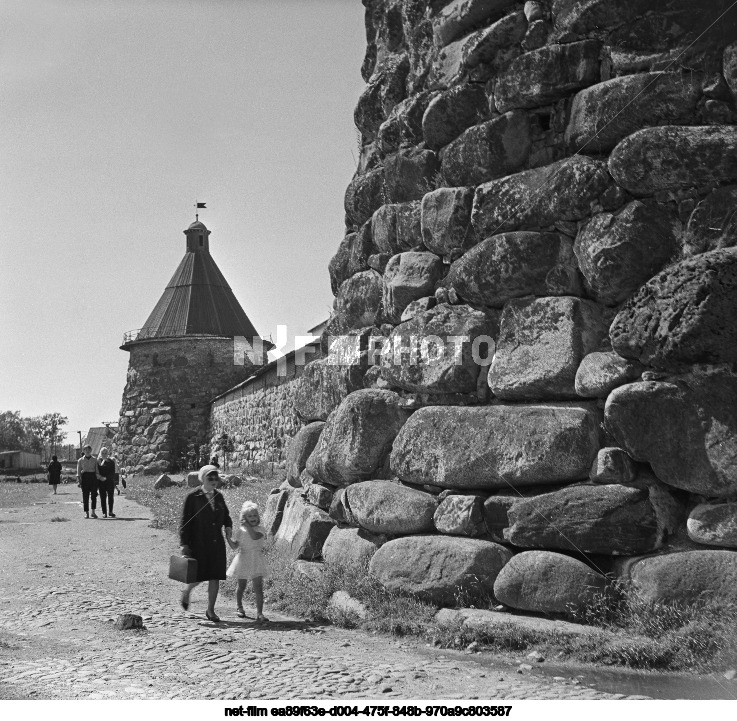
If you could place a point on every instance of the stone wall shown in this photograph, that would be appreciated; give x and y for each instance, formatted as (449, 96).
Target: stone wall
(559, 176)
(164, 418)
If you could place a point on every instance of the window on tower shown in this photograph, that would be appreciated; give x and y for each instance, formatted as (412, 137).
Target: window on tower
(201, 240)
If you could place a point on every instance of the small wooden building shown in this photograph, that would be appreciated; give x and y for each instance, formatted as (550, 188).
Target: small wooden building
(18, 460)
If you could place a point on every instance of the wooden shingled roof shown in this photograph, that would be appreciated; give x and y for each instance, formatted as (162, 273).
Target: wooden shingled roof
(197, 300)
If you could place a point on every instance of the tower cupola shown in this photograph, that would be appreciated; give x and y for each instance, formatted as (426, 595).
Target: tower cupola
(198, 237)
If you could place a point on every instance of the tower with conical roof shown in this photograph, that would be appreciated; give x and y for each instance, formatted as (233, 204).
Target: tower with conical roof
(180, 359)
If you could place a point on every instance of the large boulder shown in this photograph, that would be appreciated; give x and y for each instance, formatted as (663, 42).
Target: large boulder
(163, 481)
(511, 265)
(684, 315)
(299, 449)
(460, 16)
(618, 252)
(434, 351)
(439, 568)
(391, 508)
(548, 74)
(459, 515)
(675, 156)
(601, 372)
(686, 577)
(352, 256)
(408, 277)
(685, 428)
(541, 344)
(358, 303)
(607, 519)
(605, 113)
(489, 150)
(713, 524)
(303, 529)
(193, 479)
(357, 437)
(497, 447)
(395, 227)
(713, 222)
(404, 124)
(323, 386)
(446, 221)
(352, 547)
(274, 511)
(452, 111)
(547, 582)
(409, 174)
(364, 195)
(386, 87)
(516, 203)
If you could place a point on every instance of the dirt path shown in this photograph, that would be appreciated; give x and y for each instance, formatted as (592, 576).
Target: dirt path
(64, 583)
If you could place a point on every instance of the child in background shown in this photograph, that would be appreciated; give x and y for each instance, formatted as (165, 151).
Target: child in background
(249, 563)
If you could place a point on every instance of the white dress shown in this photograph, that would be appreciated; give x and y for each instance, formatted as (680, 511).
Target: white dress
(249, 561)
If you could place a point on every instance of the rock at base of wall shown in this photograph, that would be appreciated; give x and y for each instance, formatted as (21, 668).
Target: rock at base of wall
(497, 447)
(274, 511)
(193, 479)
(343, 606)
(608, 519)
(391, 508)
(461, 516)
(303, 529)
(439, 568)
(547, 582)
(299, 450)
(613, 465)
(601, 372)
(357, 437)
(687, 577)
(352, 547)
(163, 481)
(319, 496)
(713, 524)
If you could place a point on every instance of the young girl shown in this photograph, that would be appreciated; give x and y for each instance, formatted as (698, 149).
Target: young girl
(249, 562)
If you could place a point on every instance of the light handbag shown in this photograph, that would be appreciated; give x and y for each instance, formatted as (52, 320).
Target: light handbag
(183, 569)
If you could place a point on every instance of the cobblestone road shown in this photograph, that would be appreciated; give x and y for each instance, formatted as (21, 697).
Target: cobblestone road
(65, 582)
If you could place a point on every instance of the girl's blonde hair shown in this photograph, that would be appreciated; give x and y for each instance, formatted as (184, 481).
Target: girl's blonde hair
(249, 506)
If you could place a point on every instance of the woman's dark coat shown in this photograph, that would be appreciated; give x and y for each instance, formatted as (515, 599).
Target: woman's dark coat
(54, 470)
(202, 530)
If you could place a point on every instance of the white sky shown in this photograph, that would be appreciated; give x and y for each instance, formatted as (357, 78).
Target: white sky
(116, 115)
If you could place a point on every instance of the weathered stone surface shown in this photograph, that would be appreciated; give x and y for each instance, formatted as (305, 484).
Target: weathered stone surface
(516, 202)
(421, 354)
(319, 496)
(713, 223)
(685, 428)
(404, 124)
(613, 465)
(351, 547)
(352, 256)
(408, 277)
(342, 605)
(489, 150)
(163, 481)
(299, 449)
(446, 221)
(364, 195)
(396, 227)
(386, 88)
(438, 568)
(497, 446)
(713, 524)
(274, 511)
(618, 252)
(193, 479)
(312, 571)
(599, 119)
(451, 112)
(324, 385)
(357, 437)
(608, 519)
(128, 622)
(547, 582)
(493, 45)
(685, 577)
(541, 344)
(550, 73)
(496, 508)
(391, 508)
(515, 264)
(460, 16)
(674, 156)
(461, 516)
(684, 315)
(409, 174)
(358, 303)
(303, 529)
(601, 372)
(421, 305)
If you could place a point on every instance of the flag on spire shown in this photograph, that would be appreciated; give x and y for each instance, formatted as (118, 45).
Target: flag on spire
(200, 205)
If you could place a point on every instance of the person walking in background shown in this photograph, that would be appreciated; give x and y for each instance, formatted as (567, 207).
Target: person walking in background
(215, 462)
(87, 477)
(106, 487)
(204, 517)
(54, 471)
(250, 562)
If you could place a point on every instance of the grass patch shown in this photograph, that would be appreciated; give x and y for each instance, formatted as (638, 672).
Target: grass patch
(19, 495)
(58, 519)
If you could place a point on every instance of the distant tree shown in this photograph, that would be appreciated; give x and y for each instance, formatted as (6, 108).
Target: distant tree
(34, 438)
(52, 425)
(12, 431)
